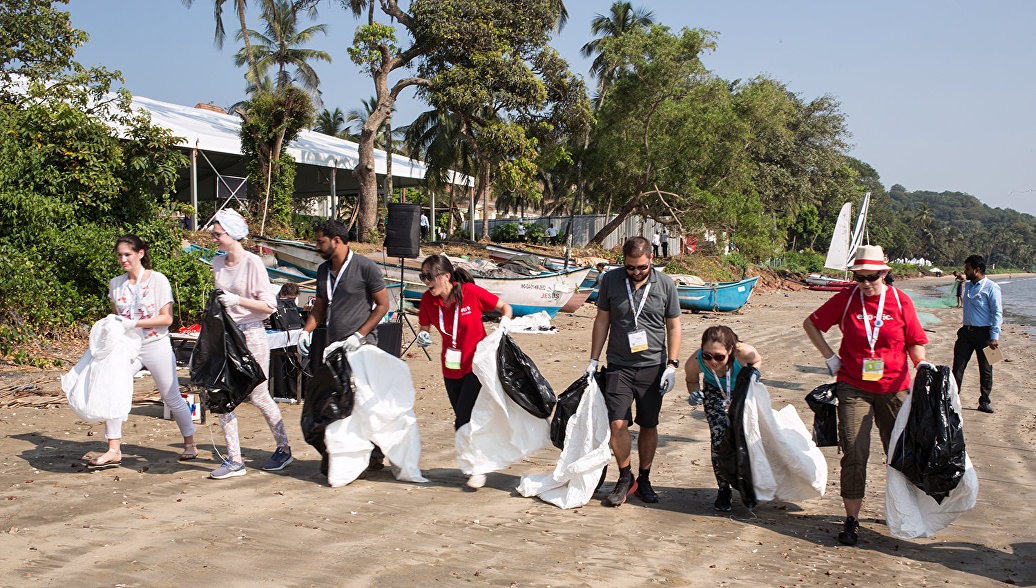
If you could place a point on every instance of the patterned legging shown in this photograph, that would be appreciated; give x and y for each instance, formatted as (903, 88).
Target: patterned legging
(716, 414)
(255, 337)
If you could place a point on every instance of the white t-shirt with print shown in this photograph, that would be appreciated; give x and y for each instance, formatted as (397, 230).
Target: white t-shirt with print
(142, 300)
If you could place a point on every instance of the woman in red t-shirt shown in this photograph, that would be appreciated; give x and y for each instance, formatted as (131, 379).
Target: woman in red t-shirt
(880, 329)
(451, 301)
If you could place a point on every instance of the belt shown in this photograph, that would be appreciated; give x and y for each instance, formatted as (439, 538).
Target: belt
(977, 327)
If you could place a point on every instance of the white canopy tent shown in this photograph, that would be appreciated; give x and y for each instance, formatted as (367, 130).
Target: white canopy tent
(324, 163)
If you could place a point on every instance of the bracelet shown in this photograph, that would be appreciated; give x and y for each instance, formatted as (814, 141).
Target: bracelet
(916, 361)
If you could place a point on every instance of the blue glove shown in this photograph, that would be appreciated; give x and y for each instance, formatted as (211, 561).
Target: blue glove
(695, 398)
(424, 339)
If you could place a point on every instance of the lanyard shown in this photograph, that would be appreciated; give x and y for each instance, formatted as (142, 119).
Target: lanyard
(729, 384)
(456, 327)
(643, 299)
(135, 294)
(331, 288)
(872, 336)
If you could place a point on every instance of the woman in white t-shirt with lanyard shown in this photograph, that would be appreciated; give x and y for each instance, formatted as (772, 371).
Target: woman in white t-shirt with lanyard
(248, 298)
(142, 298)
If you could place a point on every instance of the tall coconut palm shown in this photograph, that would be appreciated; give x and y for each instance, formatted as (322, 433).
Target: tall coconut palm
(622, 18)
(280, 47)
(331, 123)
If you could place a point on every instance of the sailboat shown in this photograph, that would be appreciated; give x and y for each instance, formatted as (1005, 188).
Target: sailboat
(843, 246)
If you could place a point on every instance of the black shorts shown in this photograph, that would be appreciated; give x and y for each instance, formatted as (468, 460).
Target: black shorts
(624, 385)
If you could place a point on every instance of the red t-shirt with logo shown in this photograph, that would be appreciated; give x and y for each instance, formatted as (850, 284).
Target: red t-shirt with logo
(474, 301)
(901, 329)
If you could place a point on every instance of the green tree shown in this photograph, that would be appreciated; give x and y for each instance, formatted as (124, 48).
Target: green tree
(621, 19)
(331, 123)
(280, 47)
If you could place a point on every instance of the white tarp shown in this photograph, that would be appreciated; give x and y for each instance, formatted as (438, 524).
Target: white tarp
(100, 386)
(584, 457)
(786, 463)
(500, 432)
(217, 132)
(911, 513)
(383, 413)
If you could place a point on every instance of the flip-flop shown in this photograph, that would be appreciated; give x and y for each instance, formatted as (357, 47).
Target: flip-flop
(186, 455)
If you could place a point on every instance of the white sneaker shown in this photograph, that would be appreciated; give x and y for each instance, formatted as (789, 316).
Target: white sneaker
(477, 481)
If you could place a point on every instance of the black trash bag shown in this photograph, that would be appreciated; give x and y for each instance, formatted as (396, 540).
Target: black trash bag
(732, 457)
(930, 451)
(287, 316)
(522, 381)
(221, 362)
(824, 404)
(568, 403)
(329, 396)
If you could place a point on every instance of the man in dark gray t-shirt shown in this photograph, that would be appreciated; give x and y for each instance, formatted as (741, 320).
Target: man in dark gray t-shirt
(638, 312)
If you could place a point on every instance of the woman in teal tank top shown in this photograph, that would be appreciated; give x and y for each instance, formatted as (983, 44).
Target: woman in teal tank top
(718, 361)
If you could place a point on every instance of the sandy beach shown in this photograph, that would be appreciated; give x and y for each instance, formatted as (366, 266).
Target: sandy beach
(156, 522)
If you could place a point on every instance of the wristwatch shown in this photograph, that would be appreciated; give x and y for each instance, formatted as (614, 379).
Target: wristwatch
(673, 362)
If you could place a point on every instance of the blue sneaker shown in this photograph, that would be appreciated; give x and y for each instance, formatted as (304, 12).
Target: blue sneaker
(229, 469)
(279, 460)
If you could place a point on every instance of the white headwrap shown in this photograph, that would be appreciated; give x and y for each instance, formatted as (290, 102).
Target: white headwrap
(233, 223)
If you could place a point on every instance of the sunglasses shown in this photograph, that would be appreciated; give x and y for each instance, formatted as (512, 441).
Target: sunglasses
(429, 277)
(713, 356)
(870, 278)
(631, 268)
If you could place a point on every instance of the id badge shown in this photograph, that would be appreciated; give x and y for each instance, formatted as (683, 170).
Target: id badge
(452, 358)
(638, 341)
(873, 369)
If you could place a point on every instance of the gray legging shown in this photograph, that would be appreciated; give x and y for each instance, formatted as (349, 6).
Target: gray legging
(157, 357)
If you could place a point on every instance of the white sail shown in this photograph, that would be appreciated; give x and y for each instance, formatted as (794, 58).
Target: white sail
(861, 227)
(838, 253)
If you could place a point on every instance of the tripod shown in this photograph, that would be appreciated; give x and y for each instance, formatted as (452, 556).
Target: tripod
(402, 317)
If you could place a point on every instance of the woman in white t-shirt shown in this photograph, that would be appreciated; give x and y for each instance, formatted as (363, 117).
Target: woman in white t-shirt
(142, 298)
(248, 298)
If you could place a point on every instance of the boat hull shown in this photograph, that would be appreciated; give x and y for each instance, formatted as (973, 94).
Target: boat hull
(721, 296)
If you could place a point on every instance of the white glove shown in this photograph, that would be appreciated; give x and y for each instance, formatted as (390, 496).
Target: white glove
(353, 342)
(592, 368)
(229, 300)
(505, 324)
(424, 339)
(305, 340)
(923, 363)
(834, 363)
(668, 381)
(127, 323)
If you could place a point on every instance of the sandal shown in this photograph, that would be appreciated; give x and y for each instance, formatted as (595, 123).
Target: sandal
(190, 451)
(100, 460)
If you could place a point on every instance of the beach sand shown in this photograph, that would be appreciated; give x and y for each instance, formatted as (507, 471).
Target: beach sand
(154, 521)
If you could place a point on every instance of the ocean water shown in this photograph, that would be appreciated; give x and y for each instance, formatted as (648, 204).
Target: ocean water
(1019, 297)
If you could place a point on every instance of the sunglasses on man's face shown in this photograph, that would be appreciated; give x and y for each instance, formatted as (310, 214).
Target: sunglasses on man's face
(870, 278)
(428, 277)
(631, 268)
(713, 356)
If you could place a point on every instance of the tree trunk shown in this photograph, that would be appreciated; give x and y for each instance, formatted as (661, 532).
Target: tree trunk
(610, 227)
(367, 218)
(483, 188)
(248, 44)
(388, 159)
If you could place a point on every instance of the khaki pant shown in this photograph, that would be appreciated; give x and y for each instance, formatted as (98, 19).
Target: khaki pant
(857, 411)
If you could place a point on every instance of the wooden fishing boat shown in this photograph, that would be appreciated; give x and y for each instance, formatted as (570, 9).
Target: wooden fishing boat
(724, 296)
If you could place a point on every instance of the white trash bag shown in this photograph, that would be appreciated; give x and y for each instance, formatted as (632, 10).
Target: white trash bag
(100, 386)
(584, 457)
(383, 413)
(786, 463)
(909, 512)
(500, 432)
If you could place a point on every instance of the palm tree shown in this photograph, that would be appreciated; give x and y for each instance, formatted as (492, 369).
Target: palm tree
(331, 123)
(281, 47)
(436, 138)
(622, 19)
(221, 33)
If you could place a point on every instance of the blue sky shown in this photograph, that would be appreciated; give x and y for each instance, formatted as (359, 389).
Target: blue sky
(938, 95)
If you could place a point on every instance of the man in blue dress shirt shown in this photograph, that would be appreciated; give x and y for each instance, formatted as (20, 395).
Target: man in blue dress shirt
(983, 315)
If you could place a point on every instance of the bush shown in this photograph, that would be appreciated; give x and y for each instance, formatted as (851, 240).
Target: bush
(805, 262)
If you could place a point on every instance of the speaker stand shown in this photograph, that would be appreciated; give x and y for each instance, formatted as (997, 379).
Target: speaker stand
(403, 317)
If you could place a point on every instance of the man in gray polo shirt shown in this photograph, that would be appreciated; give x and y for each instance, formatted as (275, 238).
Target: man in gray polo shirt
(638, 311)
(352, 286)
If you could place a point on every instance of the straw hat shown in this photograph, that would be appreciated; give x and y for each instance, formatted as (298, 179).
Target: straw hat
(869, 257)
